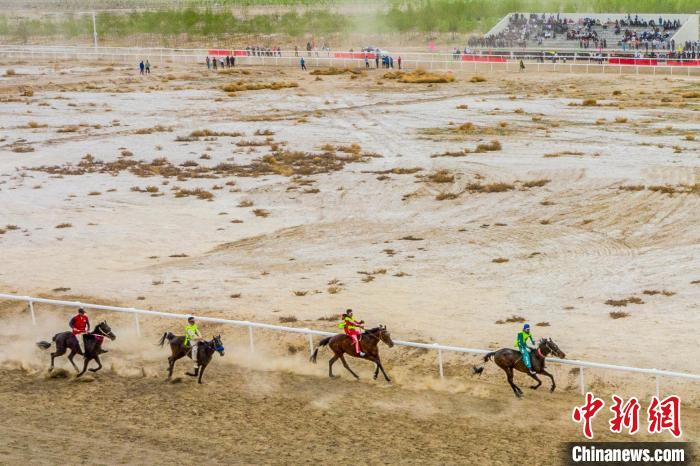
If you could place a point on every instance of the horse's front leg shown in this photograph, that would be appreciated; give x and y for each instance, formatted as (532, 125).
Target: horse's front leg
(99, 364)
(551, 377)
(376, 370)
(534, 376)
(85, 364)
(70, 358)
(201, 371)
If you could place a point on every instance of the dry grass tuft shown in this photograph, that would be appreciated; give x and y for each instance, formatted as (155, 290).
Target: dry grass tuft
(22, 148)
(535, 183)
(619, 314)
(239, 86)
(198, 192)
(500, 260)
(288, 319)
(64, 225)
(420, 76)
(562, 153)
(491, 146)
(335, 71)
(477, 79)
(624, 302)
(154, 129)
(589, 103)
(261, 213)
(512, 320)
(490, 188)
(442, 176)
(300, 293)
(620, 119)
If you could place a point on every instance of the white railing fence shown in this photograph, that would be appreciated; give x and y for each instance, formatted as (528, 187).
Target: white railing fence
(575, 63)
(31, 301)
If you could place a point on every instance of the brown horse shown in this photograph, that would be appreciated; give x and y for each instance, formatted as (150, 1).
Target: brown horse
(341, 344)
(91, 341)
(509, 359)
(204, 353)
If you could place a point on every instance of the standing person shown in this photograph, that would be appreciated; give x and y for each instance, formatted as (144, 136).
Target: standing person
(80, 325)
(192, 338)
(399, 62)
(213, 63)
(233, 60)
(522, 65)
(366, 62)
(303, 64)
(376, 60)
(521, 343)
(228, 62)
(208, 63)
(296, 51)
(352, 327)
(142, 67)
(391, 62)
(148, 67)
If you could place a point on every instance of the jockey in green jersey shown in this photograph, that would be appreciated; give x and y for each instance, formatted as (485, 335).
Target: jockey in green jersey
(521, 344)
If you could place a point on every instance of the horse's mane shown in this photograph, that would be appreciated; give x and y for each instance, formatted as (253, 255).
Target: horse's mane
(373, 330)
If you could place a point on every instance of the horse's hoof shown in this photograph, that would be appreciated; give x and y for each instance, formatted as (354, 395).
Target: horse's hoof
(93, 370)
(534, 387)
(190, 374)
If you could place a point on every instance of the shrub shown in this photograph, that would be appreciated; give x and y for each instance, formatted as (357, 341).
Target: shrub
(589, 102)
(477, 79)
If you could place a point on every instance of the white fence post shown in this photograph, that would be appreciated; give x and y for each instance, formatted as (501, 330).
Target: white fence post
(137, 325)
(657, 386)
(581, 381)
(442, 372)
(250, 339)
(31, 311)
(311, 344)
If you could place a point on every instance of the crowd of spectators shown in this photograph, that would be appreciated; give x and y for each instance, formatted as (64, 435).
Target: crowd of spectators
(522, 28)
(631, 33)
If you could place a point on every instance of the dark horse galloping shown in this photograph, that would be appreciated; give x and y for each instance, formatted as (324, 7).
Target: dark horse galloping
(91, 341)
(509, 359)
(342, 344)
(204, 353)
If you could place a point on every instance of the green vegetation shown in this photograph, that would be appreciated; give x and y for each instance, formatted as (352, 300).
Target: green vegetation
(204, 18)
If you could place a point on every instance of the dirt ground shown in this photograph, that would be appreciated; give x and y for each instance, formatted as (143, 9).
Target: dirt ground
(354, 190)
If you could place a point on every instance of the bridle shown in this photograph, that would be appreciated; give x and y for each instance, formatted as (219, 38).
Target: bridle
(102, 334)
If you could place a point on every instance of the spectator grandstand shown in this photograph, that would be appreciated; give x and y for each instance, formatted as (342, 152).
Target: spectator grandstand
(634, 33)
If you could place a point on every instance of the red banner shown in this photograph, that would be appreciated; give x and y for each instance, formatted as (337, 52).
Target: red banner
(484, 58)
(633, 61)
(354, 55)
(683, 63)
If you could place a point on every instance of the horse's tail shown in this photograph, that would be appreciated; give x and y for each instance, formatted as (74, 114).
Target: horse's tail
(43, 345)
(166, 336)
(323, 342)
(487, 357)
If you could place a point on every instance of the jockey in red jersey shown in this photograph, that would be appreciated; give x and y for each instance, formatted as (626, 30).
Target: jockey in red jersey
(352, 328)
(80, 324)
